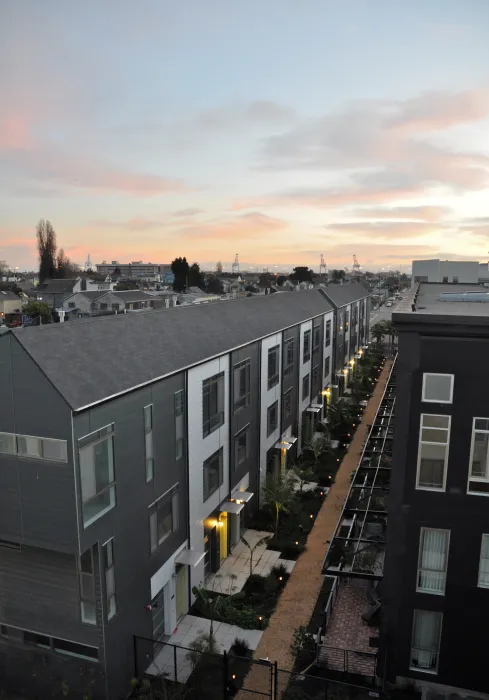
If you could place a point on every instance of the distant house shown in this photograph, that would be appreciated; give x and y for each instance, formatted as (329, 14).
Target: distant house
(104, 302)
(9, 303)
(55, 291)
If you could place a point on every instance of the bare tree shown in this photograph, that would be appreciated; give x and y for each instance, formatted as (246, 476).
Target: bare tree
(46, 247)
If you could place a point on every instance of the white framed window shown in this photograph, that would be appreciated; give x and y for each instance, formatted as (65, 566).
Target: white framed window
(425, 646)
(148, 442)
(97, 477)
(478, 482)
(433, 560)
(483, 577)
(434, 439)
(437, 388)
(108, 561)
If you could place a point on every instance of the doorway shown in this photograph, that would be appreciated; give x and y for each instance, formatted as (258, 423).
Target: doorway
(273, 465)
(181, 590)
(158, 614)
(223, 536)
(211, 550)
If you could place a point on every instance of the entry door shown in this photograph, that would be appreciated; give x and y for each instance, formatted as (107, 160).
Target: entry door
(211, 550)
(223, 536)
(158, 613)
(181, 591)
(273, 466)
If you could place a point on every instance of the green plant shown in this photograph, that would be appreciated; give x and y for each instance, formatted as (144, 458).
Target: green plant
(278, 495)
(304, 474)
(240, 647)
(253, 547)
(203, 644)
(303, 644)
(317, 446)
(279, 570)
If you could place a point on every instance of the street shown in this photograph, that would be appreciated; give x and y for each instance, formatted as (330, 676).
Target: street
(382, 314)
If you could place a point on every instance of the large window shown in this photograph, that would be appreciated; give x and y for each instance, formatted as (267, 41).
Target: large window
(289, 355)
(39, 448)
(272, 418)
(327, 365)
(305, 387)
(328, 334)
(437, 388)
(425, 648)
(317, 337)
(306, 352)
(315, 375)
(213, 403)
(434, 440)
(273, 366)
(479, 457)
(433, 560)
(163, 518)
(86, 578)
(148, 441)
(288, 403)
(213, 473)
(108, 561)
(483, 578)
(242, 446)
(179, 405)
(242, 384)
(96, 458)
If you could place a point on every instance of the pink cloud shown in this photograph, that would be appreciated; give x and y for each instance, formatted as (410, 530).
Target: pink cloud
(244, 227)
(15, 132)
(421, 212)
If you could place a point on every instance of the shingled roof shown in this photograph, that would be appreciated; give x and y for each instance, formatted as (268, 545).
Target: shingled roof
(92, 360)
(341, 294)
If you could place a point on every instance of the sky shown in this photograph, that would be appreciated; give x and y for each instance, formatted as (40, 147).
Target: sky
(276, 129)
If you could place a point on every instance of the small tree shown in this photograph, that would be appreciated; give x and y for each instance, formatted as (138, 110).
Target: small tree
(317, 446)
(378, 331)
(302, 274)
(304, 474)
(278, 495)
(252, 548)
(38, 309)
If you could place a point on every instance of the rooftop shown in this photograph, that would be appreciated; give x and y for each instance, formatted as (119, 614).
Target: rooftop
(445, 300)
(341, 294)
(9, 296)
(150, 345)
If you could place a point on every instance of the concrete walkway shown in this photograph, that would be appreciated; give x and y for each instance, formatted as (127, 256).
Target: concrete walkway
(297, 602)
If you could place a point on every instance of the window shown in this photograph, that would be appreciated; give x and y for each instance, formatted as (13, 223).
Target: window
(289, 355)
(103, 307)
(483, 578)
(38, 640)
(479, 457)
(272, 418)
(315, 375)
(213, 403)
(71, 304)
(288, 403)
(179, 402)
(29, 446)
(97, 473)
(305, 387)
(54, 450)
(433, 451)
(306, 353)
(328, 334)
(327, 365)
(438, 388)
(242, 445)
(317, 337)
(7, 444)
(81, 651)
(213, 473)
(163, 518)
(425, 648)
(3, 631)
(455, 280)
(87, 588)
(273, 366)
(93, 306)
(148, 441)
(115, 307)
(242, 384)
(108, 561)
(433, 560)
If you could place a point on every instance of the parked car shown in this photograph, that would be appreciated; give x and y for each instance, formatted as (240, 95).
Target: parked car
(389, 303)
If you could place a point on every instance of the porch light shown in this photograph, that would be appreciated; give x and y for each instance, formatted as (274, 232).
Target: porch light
(221, 524)
(297, 543)
(311, 515)
(352, 362)
(345, 371)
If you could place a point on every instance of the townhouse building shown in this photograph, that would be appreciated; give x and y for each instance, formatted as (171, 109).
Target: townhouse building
(436, 582)
(104, 301)
(132, 452)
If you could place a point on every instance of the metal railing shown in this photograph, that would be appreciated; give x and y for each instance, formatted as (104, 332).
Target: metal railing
(358, 663)
(328, 610)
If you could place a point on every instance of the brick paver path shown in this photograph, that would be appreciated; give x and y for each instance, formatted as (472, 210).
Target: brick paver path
(297, 602)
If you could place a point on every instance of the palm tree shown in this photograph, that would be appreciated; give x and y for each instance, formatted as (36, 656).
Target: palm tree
(317, 446)
(253, 547)
(278, 495)
(390, 330)
(378, 331)
(304, 474)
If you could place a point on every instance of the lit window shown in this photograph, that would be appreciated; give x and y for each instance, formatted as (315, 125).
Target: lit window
(433, 452)
(433, 560)
(438, 388)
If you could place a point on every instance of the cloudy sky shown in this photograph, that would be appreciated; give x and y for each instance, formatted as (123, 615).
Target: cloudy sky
(278, 129)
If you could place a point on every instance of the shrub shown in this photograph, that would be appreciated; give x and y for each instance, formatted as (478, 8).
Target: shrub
(240, 647)
(279, 570)
(289, 549)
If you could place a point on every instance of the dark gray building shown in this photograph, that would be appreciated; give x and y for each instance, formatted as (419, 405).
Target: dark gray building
(124, 440)
(436, 581)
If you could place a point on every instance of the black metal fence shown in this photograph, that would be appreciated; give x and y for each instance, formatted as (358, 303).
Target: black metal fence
(181, 673)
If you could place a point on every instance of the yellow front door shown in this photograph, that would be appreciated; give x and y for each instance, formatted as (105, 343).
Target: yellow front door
(223, 535)
(181, 592)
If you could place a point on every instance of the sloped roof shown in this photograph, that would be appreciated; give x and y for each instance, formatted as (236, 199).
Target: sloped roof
(89, 294)
(129, 295)
(341, 294)
(9, 296)
(64, 286)
(91, 360)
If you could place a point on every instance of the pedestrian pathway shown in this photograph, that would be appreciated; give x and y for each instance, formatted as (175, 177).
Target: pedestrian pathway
(297, 602)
